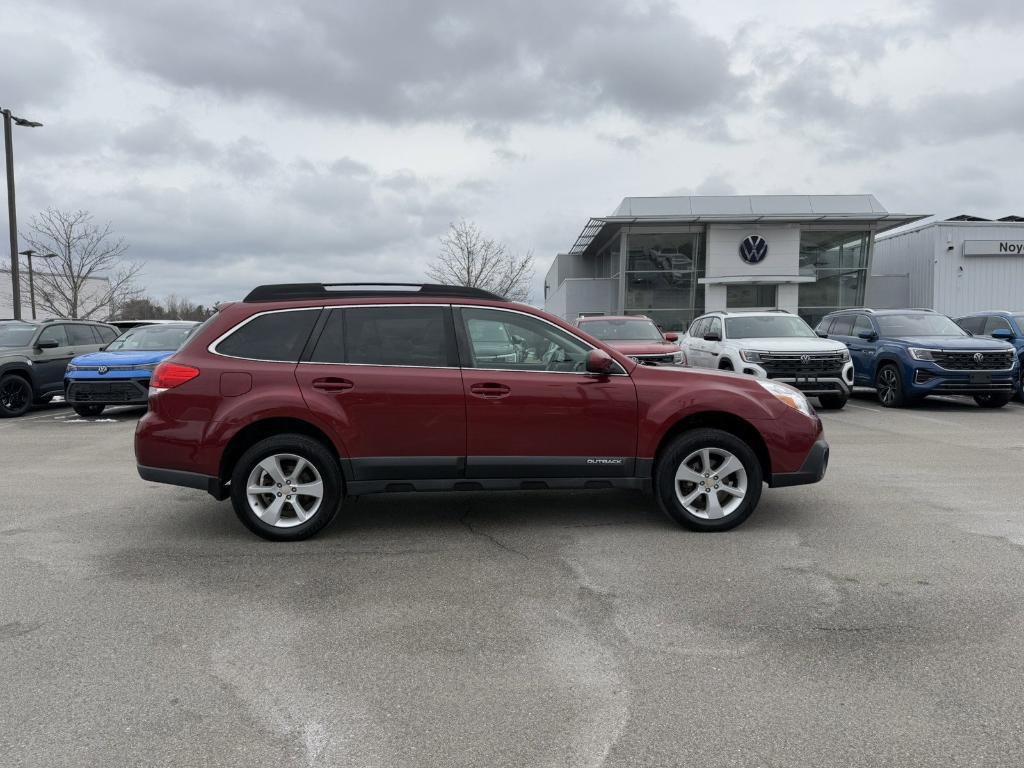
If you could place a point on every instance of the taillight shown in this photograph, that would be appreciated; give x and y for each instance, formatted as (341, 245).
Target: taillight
(171, 375)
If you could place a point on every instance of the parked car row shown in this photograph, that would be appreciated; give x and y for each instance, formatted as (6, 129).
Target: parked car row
(90, 364)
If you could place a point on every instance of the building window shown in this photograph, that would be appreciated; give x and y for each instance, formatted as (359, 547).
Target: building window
(751, 296)
(662, 270)
(838, 260)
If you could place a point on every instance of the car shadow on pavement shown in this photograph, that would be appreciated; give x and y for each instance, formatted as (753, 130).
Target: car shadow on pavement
(941, 403)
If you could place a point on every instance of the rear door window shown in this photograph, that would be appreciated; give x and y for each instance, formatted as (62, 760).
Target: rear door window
(275, 336)
(81, 335)
(842, 326)
(412, 336)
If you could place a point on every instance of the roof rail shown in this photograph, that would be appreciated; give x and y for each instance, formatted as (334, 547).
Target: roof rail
(302, 291)
(921, 309)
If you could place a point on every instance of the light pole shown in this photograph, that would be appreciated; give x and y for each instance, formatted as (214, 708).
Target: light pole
(31, 282)
(11, 215)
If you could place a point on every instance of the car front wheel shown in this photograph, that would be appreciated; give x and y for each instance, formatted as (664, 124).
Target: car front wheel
(89, 410)
(286, 488)
(993, 400)
(15, 396)
(708, 480)
(889, 387)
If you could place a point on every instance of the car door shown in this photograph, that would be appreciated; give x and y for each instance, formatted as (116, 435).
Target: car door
(83, 338)
(696, 354)
(712, 349)
(862, 351)
(387, 377)
(543, 416)
(49, 363)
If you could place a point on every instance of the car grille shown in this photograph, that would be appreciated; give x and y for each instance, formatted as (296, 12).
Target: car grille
(133, 391)
(104, 367)
(968, 361)
(785, 364)
(659, 359)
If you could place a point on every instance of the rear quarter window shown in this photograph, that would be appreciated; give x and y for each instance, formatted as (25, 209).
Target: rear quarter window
(275, 336)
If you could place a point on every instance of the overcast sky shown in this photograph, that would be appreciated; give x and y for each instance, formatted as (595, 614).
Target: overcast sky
(336, 139)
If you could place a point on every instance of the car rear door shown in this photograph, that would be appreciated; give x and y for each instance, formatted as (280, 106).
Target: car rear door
(543, 416)
(387, 378)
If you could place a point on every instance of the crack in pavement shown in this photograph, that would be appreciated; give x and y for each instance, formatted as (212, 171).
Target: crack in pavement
(464, 519)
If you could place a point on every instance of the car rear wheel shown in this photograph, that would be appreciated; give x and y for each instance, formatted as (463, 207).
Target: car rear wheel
(89, 410)
(15, 396)
(832, 402)
(708, 480)
(993, 400)
(286, 488)
(889, 386)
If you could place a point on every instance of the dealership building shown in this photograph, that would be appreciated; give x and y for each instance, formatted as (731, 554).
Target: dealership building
(957, 266)
(673, 258)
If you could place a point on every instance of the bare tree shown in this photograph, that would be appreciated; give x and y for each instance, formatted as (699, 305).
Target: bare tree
(471, 259)
(70, 285)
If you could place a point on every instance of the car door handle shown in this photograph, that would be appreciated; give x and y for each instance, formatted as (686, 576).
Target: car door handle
(332, 384)
(490, 390)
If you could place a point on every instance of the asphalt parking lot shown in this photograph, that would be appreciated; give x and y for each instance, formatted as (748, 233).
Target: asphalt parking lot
(873, 619)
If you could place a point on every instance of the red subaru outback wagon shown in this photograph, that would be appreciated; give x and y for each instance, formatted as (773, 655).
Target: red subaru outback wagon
(303, 394)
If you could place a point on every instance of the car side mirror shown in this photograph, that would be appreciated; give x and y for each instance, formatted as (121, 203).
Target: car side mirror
(712, 337)
(48, 344)
(671, 337)
(1002, 334)
(600, 362)
(822, 334)
(868, 335)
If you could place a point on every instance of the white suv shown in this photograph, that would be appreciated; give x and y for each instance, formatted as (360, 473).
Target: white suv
(772, 344)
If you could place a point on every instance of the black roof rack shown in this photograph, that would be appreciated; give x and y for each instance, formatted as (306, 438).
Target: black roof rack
(303, 291)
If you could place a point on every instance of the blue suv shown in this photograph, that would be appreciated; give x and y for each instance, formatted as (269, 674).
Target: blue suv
(908, 354)
(1005, 326)
(119, 373)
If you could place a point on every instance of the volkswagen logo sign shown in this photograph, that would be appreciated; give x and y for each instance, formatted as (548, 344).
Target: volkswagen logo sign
(753, 249)
(102, 369)
(979, 358)
(805, 358)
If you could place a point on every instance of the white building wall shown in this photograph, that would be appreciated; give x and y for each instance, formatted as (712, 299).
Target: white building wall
(912, 253)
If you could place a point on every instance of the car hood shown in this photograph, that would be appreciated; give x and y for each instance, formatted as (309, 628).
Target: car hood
(127, 357)
(966, 343)
(791, 344)
(643, 347)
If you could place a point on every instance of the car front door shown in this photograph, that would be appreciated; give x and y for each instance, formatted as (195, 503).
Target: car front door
(712, 349)
(49, 363)
(542, 416)
(387, 377)
(862, 351)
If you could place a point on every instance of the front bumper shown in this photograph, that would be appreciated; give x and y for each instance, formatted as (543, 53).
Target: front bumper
(836, 382)
(812, 471)
(929, 379)
(112, 391)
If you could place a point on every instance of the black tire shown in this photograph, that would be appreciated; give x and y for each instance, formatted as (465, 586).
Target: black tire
(833, 402)
(993, 400)
(88, 410)
(889, 387)
(321, 458)
(15, 396)
(684, 446)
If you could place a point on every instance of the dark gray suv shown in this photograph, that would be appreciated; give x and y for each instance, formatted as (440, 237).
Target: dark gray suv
(34, 355)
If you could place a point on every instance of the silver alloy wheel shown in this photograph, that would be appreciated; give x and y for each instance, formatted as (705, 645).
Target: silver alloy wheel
(705, 478)
(888, 383)
(284, 490)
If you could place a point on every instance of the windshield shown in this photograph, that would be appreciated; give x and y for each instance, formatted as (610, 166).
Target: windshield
(1020, 320)
(622, 330)
(918, 325)
(16, 334)
(151, 338)
(766, 327)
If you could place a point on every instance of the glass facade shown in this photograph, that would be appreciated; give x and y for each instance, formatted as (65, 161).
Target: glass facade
(662, 270)
(838, 260)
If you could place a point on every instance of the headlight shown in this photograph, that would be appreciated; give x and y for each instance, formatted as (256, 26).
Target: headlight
(749, 356)
(846, 355)
(679, 358)
(150, 367)
(921, 354)
(72, 367)
(792, 397)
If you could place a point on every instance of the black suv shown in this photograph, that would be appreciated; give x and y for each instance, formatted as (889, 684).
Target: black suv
(34, 355)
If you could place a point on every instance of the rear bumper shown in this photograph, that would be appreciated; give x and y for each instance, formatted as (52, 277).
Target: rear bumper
(812, 471)
(212, 485)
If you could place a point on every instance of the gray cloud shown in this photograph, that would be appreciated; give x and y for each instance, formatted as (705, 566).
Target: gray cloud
(34, 74)
(484, 63)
